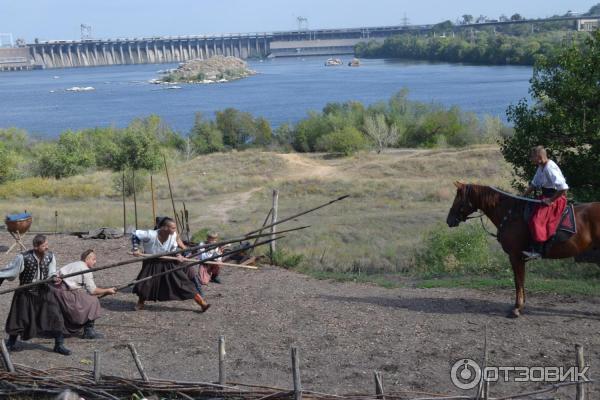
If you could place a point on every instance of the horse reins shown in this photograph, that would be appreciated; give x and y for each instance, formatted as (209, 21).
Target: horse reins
(504, 220)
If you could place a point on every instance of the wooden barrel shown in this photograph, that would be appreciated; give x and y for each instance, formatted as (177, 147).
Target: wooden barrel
(18, 223)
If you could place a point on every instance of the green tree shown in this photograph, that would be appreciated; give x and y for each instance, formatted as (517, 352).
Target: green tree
(565, 117)
(205, 136)
(347, 141)
(67, 157)
(137, 149)
(8, 163)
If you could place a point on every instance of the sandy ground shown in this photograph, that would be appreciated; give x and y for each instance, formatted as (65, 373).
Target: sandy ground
(344, 331)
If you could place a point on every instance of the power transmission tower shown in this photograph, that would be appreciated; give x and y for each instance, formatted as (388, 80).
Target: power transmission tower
(302, 23)
(86, 31)
(6, 40)
(405, 20)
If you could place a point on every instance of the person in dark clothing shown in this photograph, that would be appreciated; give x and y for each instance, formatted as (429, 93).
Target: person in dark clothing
(34, 312)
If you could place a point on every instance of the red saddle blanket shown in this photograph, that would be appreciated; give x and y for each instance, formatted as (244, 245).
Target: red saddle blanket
(567, 221)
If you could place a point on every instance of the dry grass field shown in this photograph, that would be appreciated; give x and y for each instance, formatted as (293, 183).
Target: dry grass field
(393, 198)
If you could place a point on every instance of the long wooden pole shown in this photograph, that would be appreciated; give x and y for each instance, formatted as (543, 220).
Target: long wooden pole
(171, 193)
(153, 201)
(298, 215)
(124, 212)
(206, 247)
(187, 265)
(134, 198)
(274, 222)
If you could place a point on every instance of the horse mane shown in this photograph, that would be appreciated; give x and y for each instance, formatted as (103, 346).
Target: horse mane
(492, 197)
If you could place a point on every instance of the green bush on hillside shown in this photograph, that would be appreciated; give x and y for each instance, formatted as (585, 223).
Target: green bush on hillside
(457, 251)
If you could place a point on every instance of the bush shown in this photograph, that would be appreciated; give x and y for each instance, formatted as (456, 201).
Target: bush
(458, 251)
(347, 141)
(286, 259)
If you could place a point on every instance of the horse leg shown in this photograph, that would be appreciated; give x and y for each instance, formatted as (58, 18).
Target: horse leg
(518, 266)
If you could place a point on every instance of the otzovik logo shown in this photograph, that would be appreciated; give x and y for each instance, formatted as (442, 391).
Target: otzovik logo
(467, 374)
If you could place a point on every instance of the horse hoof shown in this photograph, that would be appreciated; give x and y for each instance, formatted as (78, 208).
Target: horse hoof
(514, 313)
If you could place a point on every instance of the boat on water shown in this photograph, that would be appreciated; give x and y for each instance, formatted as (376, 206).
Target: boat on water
(80, 89)
(332, 62)
(354, 63)
(173, 87)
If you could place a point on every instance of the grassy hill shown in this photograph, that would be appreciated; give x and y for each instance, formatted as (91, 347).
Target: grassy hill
(395, 199)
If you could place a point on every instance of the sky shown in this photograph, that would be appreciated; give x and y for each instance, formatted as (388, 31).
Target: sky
(61, 19)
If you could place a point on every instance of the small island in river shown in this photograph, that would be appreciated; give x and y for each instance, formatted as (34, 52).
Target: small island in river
(217, 69)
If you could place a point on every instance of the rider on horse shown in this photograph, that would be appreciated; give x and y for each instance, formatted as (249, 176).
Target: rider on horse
(546, 216)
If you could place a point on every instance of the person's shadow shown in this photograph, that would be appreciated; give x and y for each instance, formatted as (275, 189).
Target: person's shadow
(449, 306)
(118, 305)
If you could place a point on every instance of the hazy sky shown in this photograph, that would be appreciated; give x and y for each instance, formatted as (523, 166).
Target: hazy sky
(61, 19)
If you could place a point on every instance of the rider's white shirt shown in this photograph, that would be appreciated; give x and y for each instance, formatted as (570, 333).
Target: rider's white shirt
(549, 176)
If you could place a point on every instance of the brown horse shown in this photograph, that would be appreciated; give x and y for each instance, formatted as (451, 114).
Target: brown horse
(506, 212)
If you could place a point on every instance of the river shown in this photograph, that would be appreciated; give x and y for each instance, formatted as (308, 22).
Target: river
(284, 90)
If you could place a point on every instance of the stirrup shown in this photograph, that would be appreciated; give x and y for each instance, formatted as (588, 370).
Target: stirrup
(531, 255)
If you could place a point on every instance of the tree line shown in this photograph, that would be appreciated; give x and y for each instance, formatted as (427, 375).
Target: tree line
(511, 44)
(340, 128)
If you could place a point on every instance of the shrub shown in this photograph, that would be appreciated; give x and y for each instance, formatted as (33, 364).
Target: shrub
(458, 251)
(286, 259)
(347, 141)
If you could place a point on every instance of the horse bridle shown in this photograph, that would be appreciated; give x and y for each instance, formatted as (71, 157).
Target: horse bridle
(467, 201)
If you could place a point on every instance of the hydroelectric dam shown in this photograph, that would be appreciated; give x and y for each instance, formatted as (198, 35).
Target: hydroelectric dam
(155, 50)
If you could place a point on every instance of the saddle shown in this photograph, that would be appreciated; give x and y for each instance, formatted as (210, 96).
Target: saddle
(567, 226)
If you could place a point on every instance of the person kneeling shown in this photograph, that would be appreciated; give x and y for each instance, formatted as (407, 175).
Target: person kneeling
(77, 297)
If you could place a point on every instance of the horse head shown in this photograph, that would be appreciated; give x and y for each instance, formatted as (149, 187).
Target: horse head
(462, 206)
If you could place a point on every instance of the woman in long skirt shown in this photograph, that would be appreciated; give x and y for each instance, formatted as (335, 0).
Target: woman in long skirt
(173, 286)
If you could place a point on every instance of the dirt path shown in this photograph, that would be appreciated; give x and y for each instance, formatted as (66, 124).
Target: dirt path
(303, 167)
(344, 331)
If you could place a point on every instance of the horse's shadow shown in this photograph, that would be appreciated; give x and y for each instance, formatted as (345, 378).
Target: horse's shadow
(118, 305)
(432, 305)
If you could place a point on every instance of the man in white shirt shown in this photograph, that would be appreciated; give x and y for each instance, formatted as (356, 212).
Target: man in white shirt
(77, 296)
(546, 216)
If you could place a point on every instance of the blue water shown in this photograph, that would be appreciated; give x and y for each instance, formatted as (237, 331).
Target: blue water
(283, 91)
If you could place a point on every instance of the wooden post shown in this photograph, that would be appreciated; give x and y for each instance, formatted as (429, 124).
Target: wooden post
(96, 366)
(222, 373)
(134, 198)
(296, 374)
(153, 201)
(580, 394)
(6, 357)
(274, 220)
(55, 222)
(171, 193)
(378, 384)
(485, 383)
(124, 213)
(138, 363)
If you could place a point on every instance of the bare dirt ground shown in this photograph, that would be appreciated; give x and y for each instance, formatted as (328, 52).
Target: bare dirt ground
(344, 331)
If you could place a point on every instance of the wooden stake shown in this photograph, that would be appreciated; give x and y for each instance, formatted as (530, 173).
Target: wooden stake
(6, 357)
(264, 223)
(134, 198)
(485, 382)
(222, 375)
(55, 222)
(273, 222)
(296, 374)
(153, 201)
(580, 393)
(138, 363)
(171, 193)
(96, 366)
(378, 384)
(124, 213)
